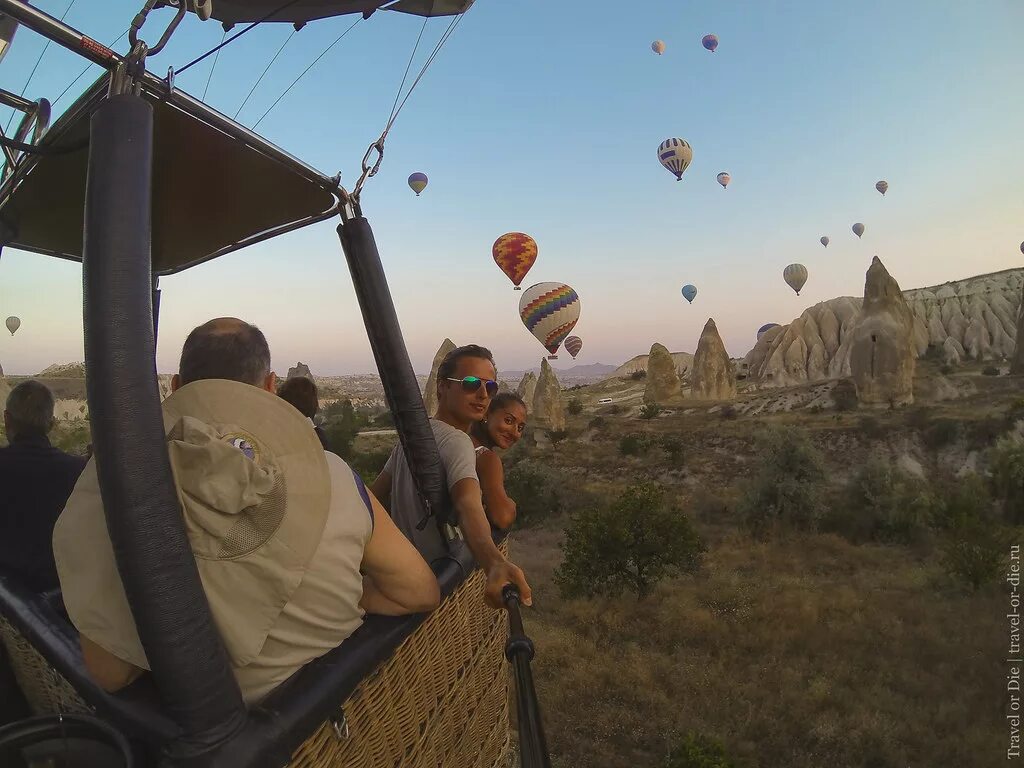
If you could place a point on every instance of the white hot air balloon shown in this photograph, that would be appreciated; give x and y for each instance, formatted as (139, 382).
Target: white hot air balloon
(13, 324)
(658, 47)
(795, 276)
(675, 155)
(724, 178)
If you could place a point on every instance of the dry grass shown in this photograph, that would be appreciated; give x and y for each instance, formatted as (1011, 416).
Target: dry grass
(804, 653)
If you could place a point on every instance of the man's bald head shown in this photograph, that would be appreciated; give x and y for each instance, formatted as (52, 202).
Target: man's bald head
(225, 348)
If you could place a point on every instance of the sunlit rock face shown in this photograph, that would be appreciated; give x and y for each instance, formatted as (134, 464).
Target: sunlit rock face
(713, 377)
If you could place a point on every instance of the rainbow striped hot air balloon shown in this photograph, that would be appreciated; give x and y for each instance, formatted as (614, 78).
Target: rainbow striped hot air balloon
(675, 155)
(550, 311)
(574, 345)
(418, 182)
(515, 253)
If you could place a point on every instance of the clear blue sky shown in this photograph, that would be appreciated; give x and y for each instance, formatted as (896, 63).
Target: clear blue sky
(545, 117)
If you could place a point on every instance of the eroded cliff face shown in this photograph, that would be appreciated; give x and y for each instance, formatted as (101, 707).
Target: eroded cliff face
(972, 319)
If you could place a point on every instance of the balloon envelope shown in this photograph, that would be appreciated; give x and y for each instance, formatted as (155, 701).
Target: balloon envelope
(574, 345)
(724, 178)
(882, 186)
(549, 311)
(658, 47)
(515, 253)
(765, 328)
(675, 155)
(689, 292)
(13, 324)
(418, 182)
(1022, 247)
(795, 276)
(301, 11)
(858, 229)
(824, 241)
(710, 42)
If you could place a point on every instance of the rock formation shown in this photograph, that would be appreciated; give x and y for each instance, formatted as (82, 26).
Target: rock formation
(527, 387)
(883, 352)
(65, 371)
(1017, 364)
(979, 314)
(662, 376)
(300, 369)
(430, 391)
(5, 390)
(713, 377)
(547, 410)
(683, 361)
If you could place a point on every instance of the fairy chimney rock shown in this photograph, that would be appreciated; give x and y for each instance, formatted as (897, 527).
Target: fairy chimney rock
(882, 353)
(547, 409)
(527, 387)
(712, 377)
(300, 369)
(1017, 363)
(662, 376)
(430, 393)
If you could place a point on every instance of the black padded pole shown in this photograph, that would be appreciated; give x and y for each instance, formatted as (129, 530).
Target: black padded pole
(400, 386)
(185, 651)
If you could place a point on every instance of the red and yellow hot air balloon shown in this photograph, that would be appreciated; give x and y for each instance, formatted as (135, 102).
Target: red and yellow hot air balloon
(515, 253)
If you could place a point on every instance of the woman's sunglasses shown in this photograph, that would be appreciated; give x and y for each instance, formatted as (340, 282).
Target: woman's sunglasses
(472, 384)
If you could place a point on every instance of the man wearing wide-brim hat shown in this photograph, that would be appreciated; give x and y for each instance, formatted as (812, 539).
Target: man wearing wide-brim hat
(280, 529)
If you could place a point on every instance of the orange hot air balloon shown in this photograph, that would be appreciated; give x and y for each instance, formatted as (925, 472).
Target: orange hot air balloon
(515, 253)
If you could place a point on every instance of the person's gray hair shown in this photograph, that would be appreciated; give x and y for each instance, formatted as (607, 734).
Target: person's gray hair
(29, 409)
(225, 348)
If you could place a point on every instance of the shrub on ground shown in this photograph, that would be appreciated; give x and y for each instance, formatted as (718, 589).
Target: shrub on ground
(844, 396)
(989, 370)
(598, 422)
(1006, 460)
(872, 427)
(882, 503)
(729, 412)
(638, 375)
(368, 464)
(698, 751)
(534, 488)
(786, 492)
(941, 433)
(575, 407)
(557, 435)
(634, 444)
(673, 446)
(649, 410)
(631, 544)
(975, 553)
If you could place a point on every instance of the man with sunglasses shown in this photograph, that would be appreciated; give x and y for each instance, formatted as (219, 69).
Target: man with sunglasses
(465, 384)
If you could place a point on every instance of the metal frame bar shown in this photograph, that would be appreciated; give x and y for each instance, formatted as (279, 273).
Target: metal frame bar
(87, 48)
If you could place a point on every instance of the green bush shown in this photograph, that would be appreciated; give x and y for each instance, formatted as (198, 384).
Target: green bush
(882, 503)
(729, 412)
(974, 553)
(1006, 460)
(341, 425)
(575, 406)
(673, 446)
(698, 751)
(631, 544)
(72, 437)
(649, 410)
(960, 502)
(557, 435)
(872, 427)
(638, 375)
(634, 445)
(946, 369)
(598, 422)
(534, 489)
(941, 433)
(368, 464)
(919, 418)
(786, 492)
(989, 370)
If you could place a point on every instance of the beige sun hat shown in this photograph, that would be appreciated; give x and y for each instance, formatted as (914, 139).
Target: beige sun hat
(254, 489)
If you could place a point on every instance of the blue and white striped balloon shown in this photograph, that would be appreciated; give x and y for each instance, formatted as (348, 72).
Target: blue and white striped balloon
(675, 155)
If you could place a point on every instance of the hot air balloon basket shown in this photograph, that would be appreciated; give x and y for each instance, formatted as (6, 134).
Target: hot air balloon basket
(442, 699)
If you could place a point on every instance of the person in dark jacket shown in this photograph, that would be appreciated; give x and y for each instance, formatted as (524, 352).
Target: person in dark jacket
(36, 480)
(302, 393)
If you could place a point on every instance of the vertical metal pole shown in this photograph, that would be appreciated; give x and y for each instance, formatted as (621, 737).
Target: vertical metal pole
(157, 567)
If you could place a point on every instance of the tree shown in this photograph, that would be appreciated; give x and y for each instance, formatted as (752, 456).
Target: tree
(631, 544)
(649, 410)
(575, 406)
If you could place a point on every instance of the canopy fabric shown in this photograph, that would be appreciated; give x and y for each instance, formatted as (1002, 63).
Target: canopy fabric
(301, 11)
(210, 192)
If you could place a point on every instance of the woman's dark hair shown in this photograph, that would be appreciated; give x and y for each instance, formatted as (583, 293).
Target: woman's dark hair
(504, 400)
(300, 392)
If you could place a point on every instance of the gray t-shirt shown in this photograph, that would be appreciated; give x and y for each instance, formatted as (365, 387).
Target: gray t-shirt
(459, 461)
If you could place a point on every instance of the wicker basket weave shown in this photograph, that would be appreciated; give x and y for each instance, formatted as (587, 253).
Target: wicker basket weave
(442, 699)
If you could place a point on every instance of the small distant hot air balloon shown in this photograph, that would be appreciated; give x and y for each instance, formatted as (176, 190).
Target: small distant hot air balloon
(689, 292)
(882, 186)
(574, 345)
(795, 276)
(13, 324)
(710, 42)
(824, 241)
(1022, 247)
(550, 311)
(515, 253)
(658, 47)
(765, 328)
(724, 178)
(675, 155)
(418, 182)
(858, 229)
